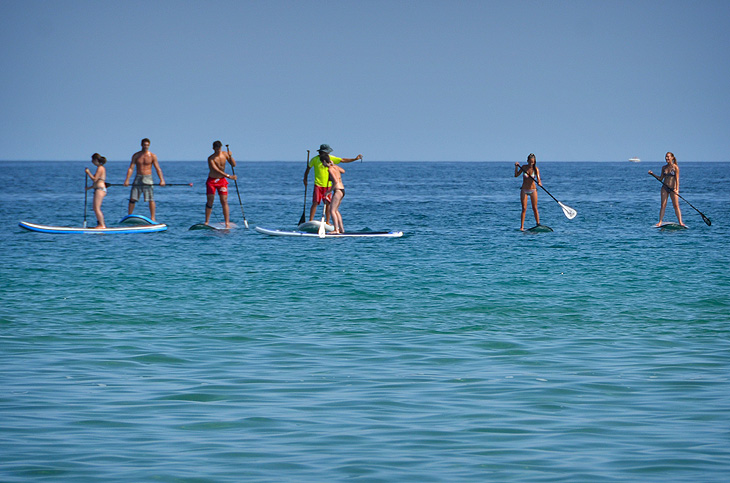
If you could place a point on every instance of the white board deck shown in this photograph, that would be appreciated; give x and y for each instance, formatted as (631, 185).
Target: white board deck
(70, 230)
(356, 234)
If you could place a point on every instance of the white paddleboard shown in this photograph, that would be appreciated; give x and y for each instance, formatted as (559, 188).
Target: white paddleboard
(68, 229)
(313, 227)
(356, 234)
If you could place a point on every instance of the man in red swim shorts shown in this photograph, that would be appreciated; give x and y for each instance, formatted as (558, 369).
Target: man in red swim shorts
(321, 179)
(218, 181)
(216, 184)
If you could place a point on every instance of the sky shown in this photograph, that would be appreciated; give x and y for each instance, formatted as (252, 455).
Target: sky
(395, 80)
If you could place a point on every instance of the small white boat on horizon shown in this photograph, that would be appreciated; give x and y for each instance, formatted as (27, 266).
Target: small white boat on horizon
(634, 160)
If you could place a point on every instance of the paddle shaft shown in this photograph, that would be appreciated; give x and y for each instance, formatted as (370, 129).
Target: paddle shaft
(235, 182)
(166, 184)
(304, 208)
(704, 218)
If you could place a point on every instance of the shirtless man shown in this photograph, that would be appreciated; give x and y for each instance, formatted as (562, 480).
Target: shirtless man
(218, 181)
(143, 160)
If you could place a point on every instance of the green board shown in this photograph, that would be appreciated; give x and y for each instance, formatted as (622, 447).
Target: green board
(539, 229)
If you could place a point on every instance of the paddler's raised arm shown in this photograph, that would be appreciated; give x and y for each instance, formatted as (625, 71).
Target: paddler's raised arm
(350, 160)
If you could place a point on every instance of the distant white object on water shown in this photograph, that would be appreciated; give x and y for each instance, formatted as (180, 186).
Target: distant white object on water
(634, 160)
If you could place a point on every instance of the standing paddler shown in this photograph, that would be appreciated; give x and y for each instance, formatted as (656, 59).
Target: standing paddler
(530, 175)
(670, 187)
(218, 181)
(321, 179)
(143, 160)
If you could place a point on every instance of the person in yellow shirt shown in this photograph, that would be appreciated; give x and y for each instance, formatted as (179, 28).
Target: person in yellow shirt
(322, 179)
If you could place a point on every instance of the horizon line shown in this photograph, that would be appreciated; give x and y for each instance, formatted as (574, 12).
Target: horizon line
(369, 161)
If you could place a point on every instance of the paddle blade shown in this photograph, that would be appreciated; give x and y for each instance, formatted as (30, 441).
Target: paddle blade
(245, 223)
(321, 231)
(706, 220)
(569, 212)
(302, 219)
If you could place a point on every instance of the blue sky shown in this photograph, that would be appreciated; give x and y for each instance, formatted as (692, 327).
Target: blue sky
(393, 80)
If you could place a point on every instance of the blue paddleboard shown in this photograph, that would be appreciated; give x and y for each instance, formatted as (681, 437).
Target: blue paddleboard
(136, 220)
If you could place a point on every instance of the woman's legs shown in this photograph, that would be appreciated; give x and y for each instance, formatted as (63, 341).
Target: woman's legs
(663, 206)
(98, 198)
(677, 211)
(533, 197)
(523, 201)
(335, 211)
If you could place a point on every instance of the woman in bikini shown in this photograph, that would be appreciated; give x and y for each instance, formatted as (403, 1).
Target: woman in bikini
(530, 173)
(99, 186)
(338, 192)
(670, 178)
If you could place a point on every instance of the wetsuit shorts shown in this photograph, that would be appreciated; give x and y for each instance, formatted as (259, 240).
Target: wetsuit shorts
(142, 184)
(219, 184)
(319, 195)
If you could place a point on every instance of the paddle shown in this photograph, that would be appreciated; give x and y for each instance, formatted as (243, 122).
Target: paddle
(166, 184)
(86, 195)
(245, 223)
(321, 230)
(569, 212)
(704, 218)
(304, 209)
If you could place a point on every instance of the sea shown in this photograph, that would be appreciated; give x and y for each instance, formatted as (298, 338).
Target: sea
(465, 351)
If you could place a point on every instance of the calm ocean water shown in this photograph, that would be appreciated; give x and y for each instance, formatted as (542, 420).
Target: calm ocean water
(465, 351)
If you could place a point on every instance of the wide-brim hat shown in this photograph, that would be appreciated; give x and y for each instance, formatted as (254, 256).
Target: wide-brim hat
(325, 148)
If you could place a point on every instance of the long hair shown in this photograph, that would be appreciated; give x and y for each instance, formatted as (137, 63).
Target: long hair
(532, 156)
(325, 159)
(674, 160)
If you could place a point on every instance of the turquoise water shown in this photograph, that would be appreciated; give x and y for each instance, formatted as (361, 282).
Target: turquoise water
(465, 351)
